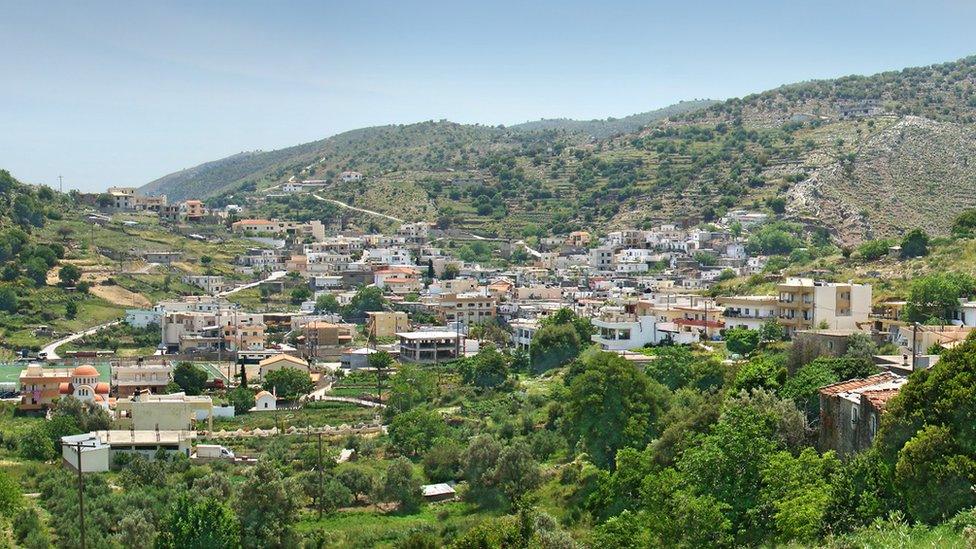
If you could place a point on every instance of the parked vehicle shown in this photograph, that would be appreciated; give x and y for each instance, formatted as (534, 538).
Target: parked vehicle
(213, 451)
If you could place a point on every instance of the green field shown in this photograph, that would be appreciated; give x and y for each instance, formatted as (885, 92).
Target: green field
(10, 372)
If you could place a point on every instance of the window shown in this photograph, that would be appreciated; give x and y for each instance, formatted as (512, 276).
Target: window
(854, 413)
(874, 425)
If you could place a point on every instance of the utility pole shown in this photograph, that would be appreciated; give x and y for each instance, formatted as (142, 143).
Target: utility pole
(81, 487)
(320, 477)
(60, 184)
(914, 345)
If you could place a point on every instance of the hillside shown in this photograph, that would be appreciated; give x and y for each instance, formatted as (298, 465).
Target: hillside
(851, 154)
(602, 129)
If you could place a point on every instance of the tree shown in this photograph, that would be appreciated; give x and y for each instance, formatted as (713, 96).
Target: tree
(935, 474)
(412, 386)
(300, 295)
(804, 386)
(241, 398)
(366, 299)
(612, 405)
(516, 471)
(401, 485)
(761, 372)
(11, 500)
(36, 270)
(267, 508)
(873, 249)
(451, 271)
(770, 331)
(553, 346)
(861, 346)
(936, 295)
(965, 223)
(914, 244)
(479, 462)
(8, 300)
(70, 310)
(412, 433)
(288, 383)
(797, 490)
(486, 370)
(359, 480)
(69, 275)
(327, 303)
(201, 523)
(741, 341)
(190, 378)
(442, 463)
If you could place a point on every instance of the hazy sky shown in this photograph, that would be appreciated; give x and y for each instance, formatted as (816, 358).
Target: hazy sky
(123, 93)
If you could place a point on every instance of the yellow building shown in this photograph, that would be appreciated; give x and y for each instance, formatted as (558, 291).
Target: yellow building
(39, 386)
(278, 362)
(386, 323)
(173, 412)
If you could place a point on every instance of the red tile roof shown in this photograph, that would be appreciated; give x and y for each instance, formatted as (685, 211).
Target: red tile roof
(854, 384)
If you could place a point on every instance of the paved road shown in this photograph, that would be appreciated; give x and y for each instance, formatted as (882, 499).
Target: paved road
(50, 351)
(347, 206)
(273, 276)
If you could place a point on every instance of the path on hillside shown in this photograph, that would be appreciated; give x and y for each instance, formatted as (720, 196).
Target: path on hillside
(271, 277)
(50, 350)
(347, 206)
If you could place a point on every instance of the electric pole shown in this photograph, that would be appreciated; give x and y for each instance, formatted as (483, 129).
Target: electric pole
(60, 184)
(320, 477)
(81, 487)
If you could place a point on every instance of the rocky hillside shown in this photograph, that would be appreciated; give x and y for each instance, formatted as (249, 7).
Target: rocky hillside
(864, 156)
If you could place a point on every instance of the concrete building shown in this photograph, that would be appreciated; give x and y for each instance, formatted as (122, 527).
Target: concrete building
(85, 386)
(429, 347)
(99, 449)
(386, 323)
(467, 308)
(805, 304)
(522, 333)
(126, 199)
(172, 412)
(749, 311)
(132, 377)
(265, 401)
(279, 362)
(40, 386)
(270, 227)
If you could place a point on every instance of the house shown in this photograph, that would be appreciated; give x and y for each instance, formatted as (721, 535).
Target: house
(99, 449)
(805, 303)
(322, 338)
(386, 323)
(171, 412)
(522, 333)
(850, 411)
(280, 361)
(438, 492)
(270, 227)
(355, 359)
(429, 347)
(39, 386)
(126, 199)
(350, 177)
(163, 258)
(468, 308)
(130, 378)
(141, 318)
(265, 401)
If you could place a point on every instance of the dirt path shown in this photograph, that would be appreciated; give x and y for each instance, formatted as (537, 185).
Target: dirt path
(120, 296)
(347, 206)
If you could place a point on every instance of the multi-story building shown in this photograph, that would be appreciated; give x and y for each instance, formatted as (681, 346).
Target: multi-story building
(749, 311)
(805, 303)
(467, 308)
(126, 199)
(171, 412)
(430, 347)
(39, 386)
(850, 411)
(386, 323)
(522, 333)
(272, 227)
(209, 283)
(131, 377)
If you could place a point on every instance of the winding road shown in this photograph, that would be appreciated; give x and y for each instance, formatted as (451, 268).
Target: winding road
(273, 276)
(49, 352)
(348, 207)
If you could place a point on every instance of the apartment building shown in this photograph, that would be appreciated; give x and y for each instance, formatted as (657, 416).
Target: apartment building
(272, 227)
(749, 311)
(129, 378)
(171, 412)
(39, 386)
(804, 303)
(467, 308)
(523, 331)
(429, 347)
(127, 199)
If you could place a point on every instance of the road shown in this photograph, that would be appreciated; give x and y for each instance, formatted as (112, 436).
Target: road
(273, 276)
(49, 352)
(347, 206)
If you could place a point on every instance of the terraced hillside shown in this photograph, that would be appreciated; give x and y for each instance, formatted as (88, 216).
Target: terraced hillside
(863, 156)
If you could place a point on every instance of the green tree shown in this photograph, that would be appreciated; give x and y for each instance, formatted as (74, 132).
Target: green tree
(486, 370)
(8, 300)
(69, 275)
(412, 433)
(11, 500)
(241, 398)
(965, 223)
(915, 244)
(366, 299)
(741, 341)
(761, 372)
(873, 249)
(797, 491)
(613, 405)
(327, 303)
(554, 346)
(190, 378)
(804, 386)
(359, 480)
(412, 386)
(267, 508)
(70, 310)
(443, 462)
(936, 295)
(200, 523)
(288, 383)
(401, 485)
(517, 472)
(300, 295)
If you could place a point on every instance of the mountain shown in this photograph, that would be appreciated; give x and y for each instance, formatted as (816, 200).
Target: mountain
(602, 129)
(862, 156)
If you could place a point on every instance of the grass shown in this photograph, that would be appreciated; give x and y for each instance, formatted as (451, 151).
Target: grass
(10, 373)
(367, 527)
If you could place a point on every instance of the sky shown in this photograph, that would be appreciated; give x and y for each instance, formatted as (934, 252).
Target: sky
(122, 93)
